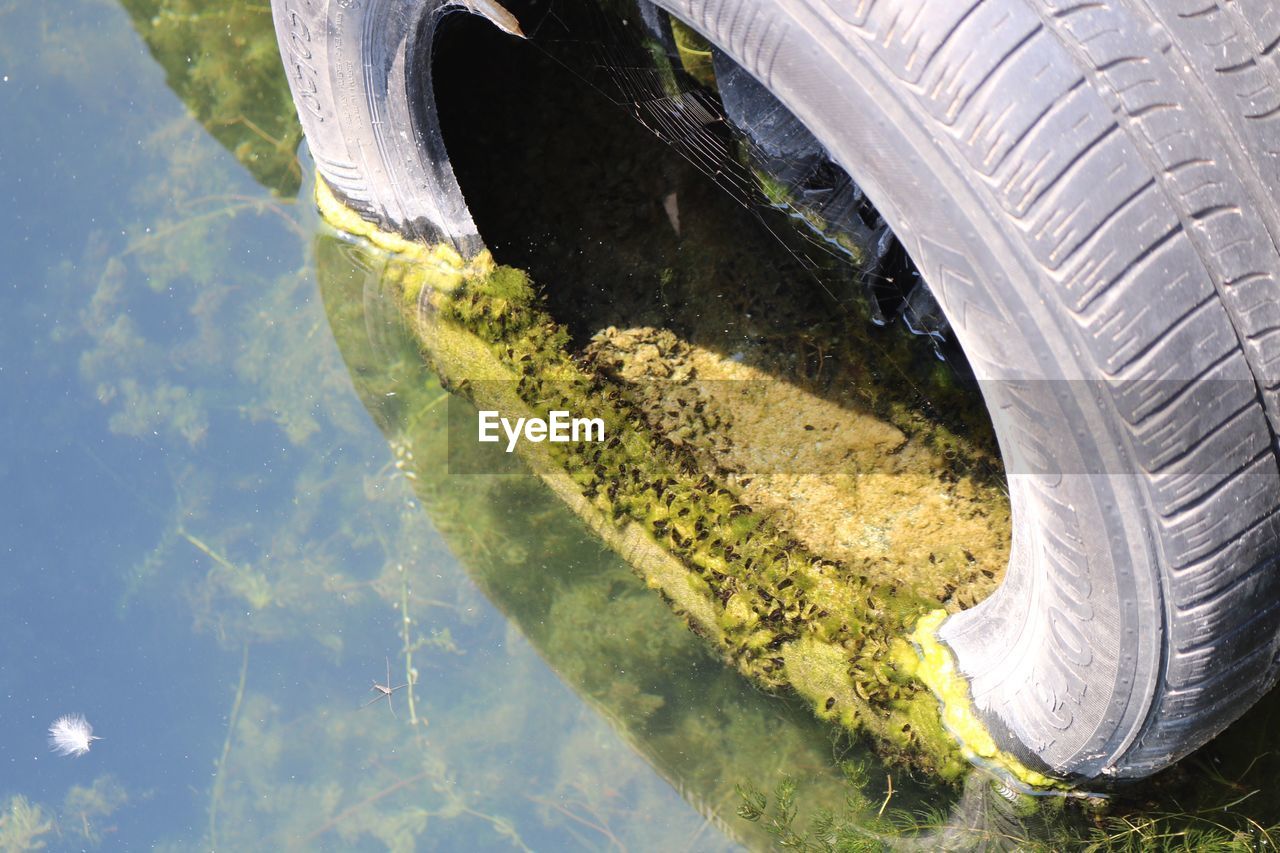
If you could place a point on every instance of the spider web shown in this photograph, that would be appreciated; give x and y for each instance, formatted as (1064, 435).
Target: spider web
(747, 142)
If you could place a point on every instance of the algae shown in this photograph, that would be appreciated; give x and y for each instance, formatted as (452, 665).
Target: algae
(816, 624)
(845, 483)
(585, 612)
(937, 669)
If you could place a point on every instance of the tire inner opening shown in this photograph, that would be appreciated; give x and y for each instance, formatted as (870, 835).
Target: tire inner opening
(775, 362)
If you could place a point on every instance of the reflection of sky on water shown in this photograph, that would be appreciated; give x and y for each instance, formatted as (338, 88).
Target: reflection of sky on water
(219, 411)
(187, 466)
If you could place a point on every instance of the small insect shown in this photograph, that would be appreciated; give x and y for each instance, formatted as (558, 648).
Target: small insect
(384, 691)
(71, 734)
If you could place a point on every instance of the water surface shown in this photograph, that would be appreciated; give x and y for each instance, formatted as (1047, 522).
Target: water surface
(228, 513)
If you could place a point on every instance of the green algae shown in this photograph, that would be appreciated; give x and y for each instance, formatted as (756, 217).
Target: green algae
(585, 612)
(937, 669)
(689, 535)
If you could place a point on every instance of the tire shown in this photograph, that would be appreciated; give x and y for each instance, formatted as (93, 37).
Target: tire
(1089, 190)
(364, 97)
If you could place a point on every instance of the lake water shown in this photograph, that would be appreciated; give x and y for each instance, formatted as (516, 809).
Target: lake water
(228, 514)
(209, 545)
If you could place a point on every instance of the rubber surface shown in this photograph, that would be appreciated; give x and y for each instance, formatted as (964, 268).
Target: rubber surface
(1089, 189)
(361, 80)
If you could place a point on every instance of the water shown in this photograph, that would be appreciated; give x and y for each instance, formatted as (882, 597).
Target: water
(209, 547)
(169, 373)
(228, 512)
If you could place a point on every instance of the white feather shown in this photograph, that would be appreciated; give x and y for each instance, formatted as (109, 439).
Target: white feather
(71, 734)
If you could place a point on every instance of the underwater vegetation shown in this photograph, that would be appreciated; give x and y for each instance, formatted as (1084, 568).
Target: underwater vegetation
(221, 59)
(282, 527)
(22, 824)
(81, 819)
(782, 614)
(989, 816)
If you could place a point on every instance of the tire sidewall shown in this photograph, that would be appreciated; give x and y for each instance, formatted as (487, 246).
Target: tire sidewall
(1078, 621)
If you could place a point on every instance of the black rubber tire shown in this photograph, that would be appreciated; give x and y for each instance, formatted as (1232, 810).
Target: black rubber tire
(1089, 189)
(361, 82)
(1082, 186)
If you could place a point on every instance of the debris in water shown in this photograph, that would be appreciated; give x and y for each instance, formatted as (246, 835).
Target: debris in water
(672, 207)
(71, 734)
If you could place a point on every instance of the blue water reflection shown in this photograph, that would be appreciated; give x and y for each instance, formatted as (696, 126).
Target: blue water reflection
(191, 475)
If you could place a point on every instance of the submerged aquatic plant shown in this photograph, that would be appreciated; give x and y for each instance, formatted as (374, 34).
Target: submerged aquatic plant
(221, 58)
(86, 807)
(22, 824)
(990, 817)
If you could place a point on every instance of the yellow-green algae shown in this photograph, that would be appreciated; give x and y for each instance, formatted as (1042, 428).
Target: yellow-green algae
(695, 54)
(756, 594)
(936, 667)
(440, 266)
